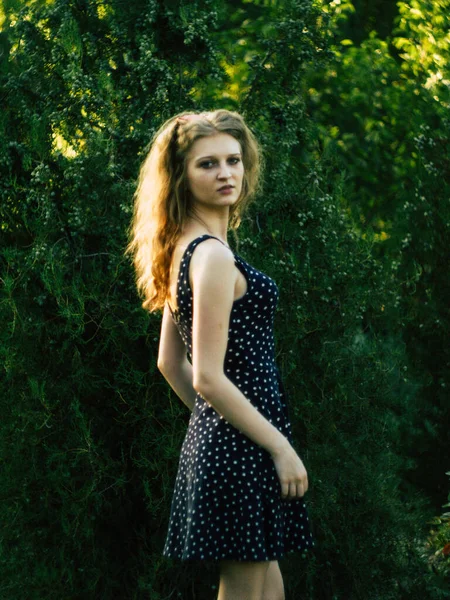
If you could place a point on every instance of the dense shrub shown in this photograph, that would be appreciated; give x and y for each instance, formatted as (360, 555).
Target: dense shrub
(91, 433)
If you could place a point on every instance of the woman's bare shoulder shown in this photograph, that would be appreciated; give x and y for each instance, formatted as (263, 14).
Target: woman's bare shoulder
(211, 256)
(211, 250)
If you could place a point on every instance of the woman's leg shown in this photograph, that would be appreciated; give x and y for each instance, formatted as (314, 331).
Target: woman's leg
(242, 580)
(273, 584)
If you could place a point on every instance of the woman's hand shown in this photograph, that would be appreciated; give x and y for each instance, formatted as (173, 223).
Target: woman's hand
(291, 472)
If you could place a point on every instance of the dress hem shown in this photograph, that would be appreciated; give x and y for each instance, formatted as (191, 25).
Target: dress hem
(275, 556)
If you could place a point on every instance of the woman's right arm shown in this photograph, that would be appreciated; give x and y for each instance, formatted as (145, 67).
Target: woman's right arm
(213, 280)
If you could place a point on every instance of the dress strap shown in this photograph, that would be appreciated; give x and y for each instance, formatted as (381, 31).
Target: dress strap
(206, 236)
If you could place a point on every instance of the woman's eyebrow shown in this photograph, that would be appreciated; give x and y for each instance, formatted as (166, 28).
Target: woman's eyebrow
(212, 155)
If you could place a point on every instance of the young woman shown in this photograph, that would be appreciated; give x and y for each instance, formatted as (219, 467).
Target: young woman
(238, 495)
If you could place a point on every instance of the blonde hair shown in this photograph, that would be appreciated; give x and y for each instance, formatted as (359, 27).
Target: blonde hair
(162, 202)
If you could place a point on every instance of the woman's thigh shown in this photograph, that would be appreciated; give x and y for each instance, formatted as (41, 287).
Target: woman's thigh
(242, 579)
(273, 583)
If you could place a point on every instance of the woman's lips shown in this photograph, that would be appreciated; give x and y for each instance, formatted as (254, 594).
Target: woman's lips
(226, 189)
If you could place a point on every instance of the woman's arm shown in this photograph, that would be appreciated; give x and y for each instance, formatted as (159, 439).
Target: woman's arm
(213, 279)
(180, 380)
(228, 400)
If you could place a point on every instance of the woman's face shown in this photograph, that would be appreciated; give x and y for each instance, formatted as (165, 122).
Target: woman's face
(213, 162)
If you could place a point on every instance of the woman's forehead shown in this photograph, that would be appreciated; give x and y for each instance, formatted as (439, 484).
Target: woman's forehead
(218, 144)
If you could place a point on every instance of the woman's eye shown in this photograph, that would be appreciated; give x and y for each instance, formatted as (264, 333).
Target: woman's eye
(210, 162)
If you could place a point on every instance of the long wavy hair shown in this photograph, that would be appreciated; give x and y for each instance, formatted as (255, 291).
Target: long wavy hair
(162, 202)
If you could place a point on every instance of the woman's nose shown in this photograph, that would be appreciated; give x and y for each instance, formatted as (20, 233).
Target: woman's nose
(224, 171)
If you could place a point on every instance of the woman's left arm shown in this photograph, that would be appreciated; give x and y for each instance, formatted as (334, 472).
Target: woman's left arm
(173, 362)
(180, 380)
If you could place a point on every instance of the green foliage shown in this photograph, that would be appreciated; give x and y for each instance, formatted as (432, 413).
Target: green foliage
(385, 115)
(421, 261)
(85, 410)
(437, 547)
(91, 432)
(422, 34)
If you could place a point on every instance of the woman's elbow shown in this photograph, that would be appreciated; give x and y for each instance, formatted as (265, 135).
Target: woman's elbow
(204, 381)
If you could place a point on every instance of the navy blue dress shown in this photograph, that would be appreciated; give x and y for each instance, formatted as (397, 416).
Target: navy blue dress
(227, 501)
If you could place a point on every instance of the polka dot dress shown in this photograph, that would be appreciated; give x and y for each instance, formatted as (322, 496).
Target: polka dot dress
(227, 501)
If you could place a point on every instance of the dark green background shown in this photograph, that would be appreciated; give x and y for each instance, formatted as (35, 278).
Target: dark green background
(351, 105)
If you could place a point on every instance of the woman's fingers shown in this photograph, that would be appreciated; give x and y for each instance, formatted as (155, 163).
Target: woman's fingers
(299, 489)
(292, 490)
(292, 473)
